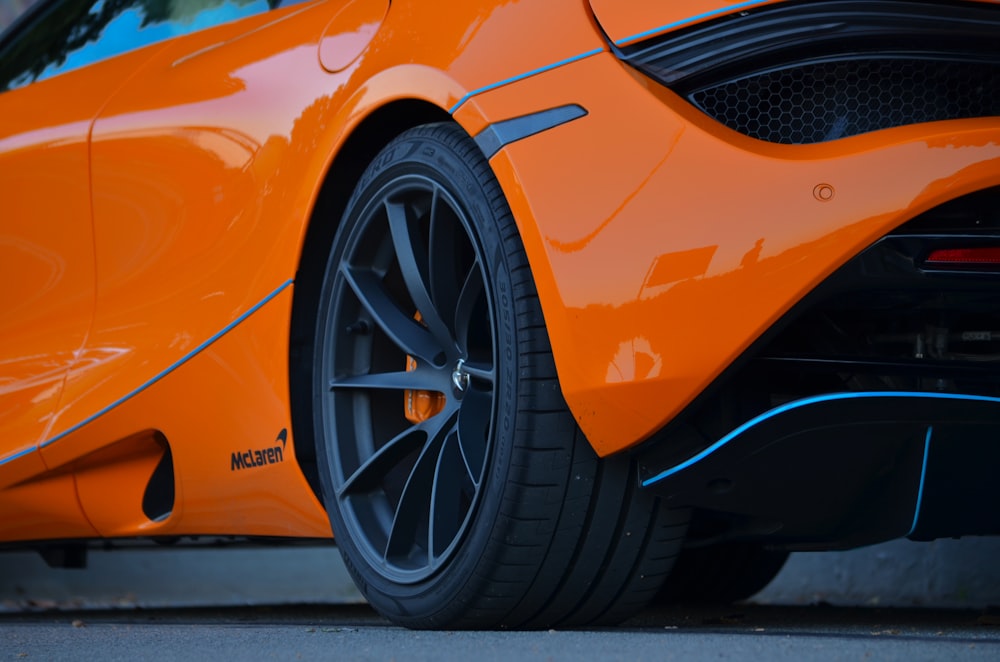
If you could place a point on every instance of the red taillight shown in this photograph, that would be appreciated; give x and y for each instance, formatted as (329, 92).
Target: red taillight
(964, 257)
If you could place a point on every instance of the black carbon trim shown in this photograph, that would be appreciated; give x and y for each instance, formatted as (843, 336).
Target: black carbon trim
(848, 469)
(500, 134)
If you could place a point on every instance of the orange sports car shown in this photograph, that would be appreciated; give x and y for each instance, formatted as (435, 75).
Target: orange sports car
(519, 302)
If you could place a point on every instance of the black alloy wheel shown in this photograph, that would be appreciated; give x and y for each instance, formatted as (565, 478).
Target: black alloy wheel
(458, 486)
(415, 324)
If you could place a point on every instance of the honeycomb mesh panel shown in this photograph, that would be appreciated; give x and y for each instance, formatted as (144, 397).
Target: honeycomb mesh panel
(817, 102)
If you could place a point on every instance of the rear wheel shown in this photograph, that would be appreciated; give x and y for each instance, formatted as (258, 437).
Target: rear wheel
(460, 490)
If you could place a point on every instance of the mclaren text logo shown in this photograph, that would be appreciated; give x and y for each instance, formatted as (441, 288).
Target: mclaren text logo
(250, 458)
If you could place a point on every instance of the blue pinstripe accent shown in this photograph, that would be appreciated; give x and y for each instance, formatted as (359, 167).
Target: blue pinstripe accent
(804, 403)
(689, 20)
(11, 458)
(923, 477)
(187, 357)
(526, 74)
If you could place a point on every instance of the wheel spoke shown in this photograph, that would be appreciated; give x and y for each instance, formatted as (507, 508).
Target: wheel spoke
(450, 497)
(402, 328)
(418, 380)
(411, 521)
(473, 431)
(465, 307)
(413, 265)
(444, 258)
(372, 471)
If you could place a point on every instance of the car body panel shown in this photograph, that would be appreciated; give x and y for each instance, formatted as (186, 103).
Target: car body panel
(179, 197)
(43, 149)
(659, 240)
(42, 508)
(618, 257)
(208, 425)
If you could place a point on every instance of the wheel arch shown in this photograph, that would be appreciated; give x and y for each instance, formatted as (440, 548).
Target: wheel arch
(356, 151)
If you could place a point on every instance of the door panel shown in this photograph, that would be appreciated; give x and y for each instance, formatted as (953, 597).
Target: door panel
(49, 97)
(187, 160)
(46, 250)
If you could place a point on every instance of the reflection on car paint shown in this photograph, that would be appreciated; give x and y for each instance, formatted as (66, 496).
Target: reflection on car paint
(110, 28)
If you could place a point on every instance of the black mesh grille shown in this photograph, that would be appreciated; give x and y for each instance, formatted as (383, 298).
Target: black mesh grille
(813, 103)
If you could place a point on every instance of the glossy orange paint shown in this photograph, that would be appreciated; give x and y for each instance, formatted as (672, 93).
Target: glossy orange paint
(43, 508)
(231, 398)
(46, 247)
(156, 297)
(127, 465)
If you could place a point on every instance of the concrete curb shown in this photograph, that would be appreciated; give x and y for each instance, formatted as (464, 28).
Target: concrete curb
(943, 573)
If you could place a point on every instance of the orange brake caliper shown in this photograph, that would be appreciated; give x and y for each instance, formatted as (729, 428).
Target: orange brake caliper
(420, 405)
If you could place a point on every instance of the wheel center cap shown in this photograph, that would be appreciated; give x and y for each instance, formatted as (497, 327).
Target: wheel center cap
(459, 377)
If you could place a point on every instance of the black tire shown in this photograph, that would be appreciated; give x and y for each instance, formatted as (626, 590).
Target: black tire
(529, 528)
(721, 573)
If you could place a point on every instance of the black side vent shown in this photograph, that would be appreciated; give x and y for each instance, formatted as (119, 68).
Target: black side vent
(815, 103)
(158, 499)
(810, 72)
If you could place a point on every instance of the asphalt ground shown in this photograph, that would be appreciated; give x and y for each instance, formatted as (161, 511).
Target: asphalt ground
(963, 574)
(355, 632)
(281, 603)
